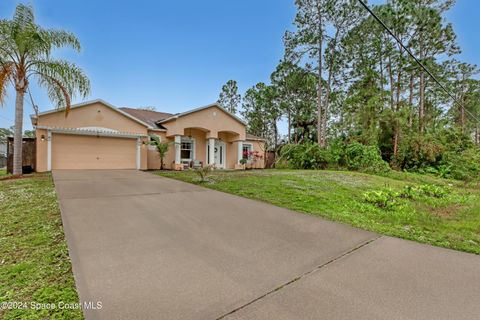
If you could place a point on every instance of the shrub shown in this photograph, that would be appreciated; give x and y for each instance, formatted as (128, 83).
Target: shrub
(408, 192)
(383, 199)
(203, 172)
(360, 157)
(304, 156)
(463, 165)
(433, 191)
(387, 198)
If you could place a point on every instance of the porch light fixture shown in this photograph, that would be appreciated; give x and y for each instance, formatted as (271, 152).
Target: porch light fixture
(43, 137)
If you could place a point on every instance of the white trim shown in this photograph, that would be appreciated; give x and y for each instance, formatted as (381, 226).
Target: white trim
(255, 139)
(137, 157)
(86, 132)
(223, 154)
(178, 140)
(188, 139)
(49, 150)
(87, 103)
(102, 129)
(211, 157)
(239, 151)
(211, 151)
(251, 149)
(176, 116)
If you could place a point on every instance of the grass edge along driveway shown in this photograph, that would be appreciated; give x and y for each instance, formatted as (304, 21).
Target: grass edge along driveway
(34, 262)
(452, 221)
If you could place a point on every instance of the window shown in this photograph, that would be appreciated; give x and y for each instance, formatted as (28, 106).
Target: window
(247, 151)
(187, 149)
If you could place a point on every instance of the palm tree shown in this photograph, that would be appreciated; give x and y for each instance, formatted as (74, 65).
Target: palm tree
(162, 148)
(25, 54)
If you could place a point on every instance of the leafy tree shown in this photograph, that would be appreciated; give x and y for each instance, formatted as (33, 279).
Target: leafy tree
(432, 38)
(4, 134)
(161, 147)
(262, 112)
(229, 98)
(320, 26)
(296, 94)
(309, 40)
(25, 54)
(29, 133)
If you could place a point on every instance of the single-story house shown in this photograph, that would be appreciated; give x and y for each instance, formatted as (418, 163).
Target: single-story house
(98, 135)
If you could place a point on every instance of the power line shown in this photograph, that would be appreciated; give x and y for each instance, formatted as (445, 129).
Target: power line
(8, 119)
(416, 60)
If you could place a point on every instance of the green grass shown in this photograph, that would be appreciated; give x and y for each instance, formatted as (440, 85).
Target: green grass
(34, 261)
(451, 222)
(3, 173)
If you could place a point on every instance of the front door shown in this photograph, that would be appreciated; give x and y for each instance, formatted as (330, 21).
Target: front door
(220, 154)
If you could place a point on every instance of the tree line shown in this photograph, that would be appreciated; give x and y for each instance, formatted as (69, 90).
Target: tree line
(344, 78)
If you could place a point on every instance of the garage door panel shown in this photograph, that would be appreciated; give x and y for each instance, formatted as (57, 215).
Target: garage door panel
(91, 152)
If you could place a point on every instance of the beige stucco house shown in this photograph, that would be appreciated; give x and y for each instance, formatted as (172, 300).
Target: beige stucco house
(98, 135)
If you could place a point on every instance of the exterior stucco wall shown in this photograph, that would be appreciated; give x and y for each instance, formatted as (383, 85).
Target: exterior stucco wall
(212, 119)
(153, 159)
(260, 147)
(94, 115)
(41, 165)
(91, 152)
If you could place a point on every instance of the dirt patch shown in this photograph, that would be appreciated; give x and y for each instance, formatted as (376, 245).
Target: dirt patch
(446, 212)
(24, 176)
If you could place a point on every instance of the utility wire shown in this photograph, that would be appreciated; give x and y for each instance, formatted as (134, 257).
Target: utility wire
(5, 118)
(415, 58)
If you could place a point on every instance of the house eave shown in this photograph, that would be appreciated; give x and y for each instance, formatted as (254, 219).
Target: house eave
(86, 103)
(176, 116)
(93, 132)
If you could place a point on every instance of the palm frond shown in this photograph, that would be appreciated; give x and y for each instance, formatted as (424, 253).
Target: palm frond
(61, 39)
(23, 16)
(63, 81)
(6, 74)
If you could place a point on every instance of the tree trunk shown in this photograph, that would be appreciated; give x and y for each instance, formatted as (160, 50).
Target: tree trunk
(421, 108)
(320, 87)
(477, 135)
(462, 115)
(410, 100)
(462, 106)
(289, 116)
(18, 133)
(331, 65)
(396, 130)
(275, 131)
(390, 77)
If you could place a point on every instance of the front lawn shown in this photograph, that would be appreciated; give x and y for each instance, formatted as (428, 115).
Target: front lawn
(3, 173)
(451, 220)
(34, 262)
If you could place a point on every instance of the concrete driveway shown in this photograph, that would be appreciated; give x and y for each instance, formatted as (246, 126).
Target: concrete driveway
(148, 247)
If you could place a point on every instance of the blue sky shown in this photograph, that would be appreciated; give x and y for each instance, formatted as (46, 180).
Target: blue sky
(176, 55)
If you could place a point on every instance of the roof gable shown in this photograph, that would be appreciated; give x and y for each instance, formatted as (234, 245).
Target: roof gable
(88, 103)
(186, 113)
(147, 116)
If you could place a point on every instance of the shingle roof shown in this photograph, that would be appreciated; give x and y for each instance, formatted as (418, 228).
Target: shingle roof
(148, 116)
(252, 137)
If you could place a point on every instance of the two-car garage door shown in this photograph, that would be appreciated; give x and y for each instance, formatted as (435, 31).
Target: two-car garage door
(92, 152)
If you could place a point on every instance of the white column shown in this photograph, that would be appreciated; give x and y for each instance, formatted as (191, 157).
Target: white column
(139, 143)
(178, 142)
(240, 151)
(49, 150)
(211, 146)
